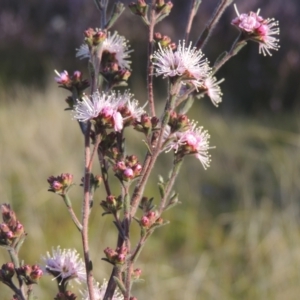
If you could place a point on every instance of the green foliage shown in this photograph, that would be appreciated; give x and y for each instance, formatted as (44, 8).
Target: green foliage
(235, 236)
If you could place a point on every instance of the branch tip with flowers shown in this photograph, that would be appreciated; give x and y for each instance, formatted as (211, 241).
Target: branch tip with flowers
(104, 113)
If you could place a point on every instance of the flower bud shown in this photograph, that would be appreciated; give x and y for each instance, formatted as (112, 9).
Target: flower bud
(7, 271)
(136, 273)
(145, 222)
(63, 79)
(146, 121)
(60, 184)
(98, 37)
(65, 296)
(110, 254)
(157, 36)
(36, 273)
(128, 174)
(8, 215)
(19, 229)
(138, 8)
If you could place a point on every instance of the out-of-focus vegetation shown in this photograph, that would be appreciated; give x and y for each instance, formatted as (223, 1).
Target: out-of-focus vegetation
(236, 234)
(39, 36)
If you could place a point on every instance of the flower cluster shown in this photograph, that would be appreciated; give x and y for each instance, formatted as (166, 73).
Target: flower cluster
(108, 110)
(188, 65)
(193, 140)
(149, 219)
(30, 274)
(127, 169)
(117, 256)
(70, 82)
(112, 204)
(114, 48)
(11, 230)
(60, 184)
(64, 265)
(258, 29)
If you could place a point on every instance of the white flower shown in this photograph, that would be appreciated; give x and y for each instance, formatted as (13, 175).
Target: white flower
(99, 106)
(213, 89)
(89, 107)
(65, 264)
(99, 292)
(187, 62)
(168, 63)
(109, 110)
(83, 52)
(115, 45)
(133, 110)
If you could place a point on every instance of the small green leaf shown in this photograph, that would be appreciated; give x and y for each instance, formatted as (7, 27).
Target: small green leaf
(120, 284)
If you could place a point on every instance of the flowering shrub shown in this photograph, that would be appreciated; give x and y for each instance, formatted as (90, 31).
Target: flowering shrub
(104, 112)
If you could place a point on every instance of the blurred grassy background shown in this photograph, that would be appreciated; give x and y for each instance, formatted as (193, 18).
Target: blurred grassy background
(235, 236)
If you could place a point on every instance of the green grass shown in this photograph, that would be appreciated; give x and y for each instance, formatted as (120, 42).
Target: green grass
(235, 236)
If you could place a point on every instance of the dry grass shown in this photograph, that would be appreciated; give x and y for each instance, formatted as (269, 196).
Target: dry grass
(236, 235)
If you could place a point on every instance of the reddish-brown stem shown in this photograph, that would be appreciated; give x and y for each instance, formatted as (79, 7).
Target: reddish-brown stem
(104, 172)
(139, 188)
(95, 149)
(86, 210)
(151, 158)
(127, 222)
(149, 62)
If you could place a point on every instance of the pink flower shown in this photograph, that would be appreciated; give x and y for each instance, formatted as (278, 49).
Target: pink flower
(259, 30)
(191, 141)
(128, 173)
(62, 78)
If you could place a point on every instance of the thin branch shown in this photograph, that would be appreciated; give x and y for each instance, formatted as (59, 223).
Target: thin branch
(156, 145)
(86, 212)
(193, 11)
(127, 222)
(169, 186)
(212, 23)
(238, 44)
(103, 10)
(149, 59)
(71, 212)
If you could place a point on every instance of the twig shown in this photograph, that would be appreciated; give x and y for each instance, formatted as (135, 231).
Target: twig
(193, 11)
(85, 212)
(238, 44)
(149, 59)
(212, 23)
(169, 186)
